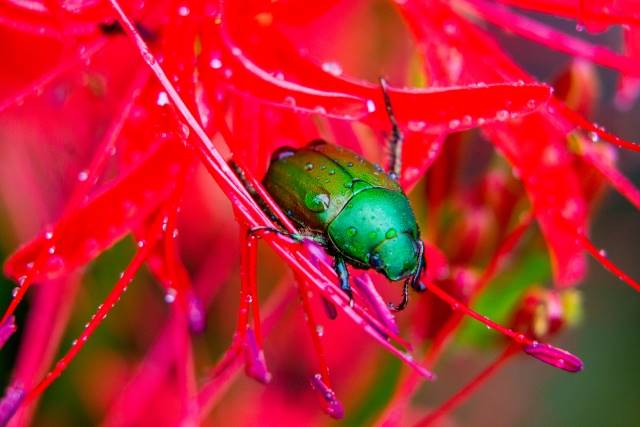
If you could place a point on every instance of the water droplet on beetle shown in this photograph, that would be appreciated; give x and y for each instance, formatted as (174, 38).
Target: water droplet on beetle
(352, 231)
(349, 164)
(332, 172)
(391, 233)
(308, 166)
(316, 202)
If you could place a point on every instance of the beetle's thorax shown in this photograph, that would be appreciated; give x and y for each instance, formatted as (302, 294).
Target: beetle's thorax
(377, 229)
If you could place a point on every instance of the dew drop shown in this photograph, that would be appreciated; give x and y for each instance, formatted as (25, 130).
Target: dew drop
(332, 67)
(602, 253)
(332, 172)
(316, 202)
(215, 63)
(184, 11)
(391, 233)
(290, 101)
(454, 124)
(371, 106)
(532, 104)
(249, 299)
(14, 292)
(170, 296)
(308, 166)
(83, 175)
(319, 330)
(594, 137)
(163, 99)
(349, 164)
(416, 125)
(502, 115)
(352, 231)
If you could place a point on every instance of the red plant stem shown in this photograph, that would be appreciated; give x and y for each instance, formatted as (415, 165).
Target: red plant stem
(408, 384)
(108, 144)
(606, 263)
(229, 365)
(507, 245)
(470, 387)
(113, 297)
(585, 124)
(457, 305)
(253, 289)
(554, 39)
(617, 180)
(303, 291)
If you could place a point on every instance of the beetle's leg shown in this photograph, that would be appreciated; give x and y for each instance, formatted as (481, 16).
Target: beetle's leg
(405, 297)
(343, 275)
(394, 167)
(416, 284)
(297, 237)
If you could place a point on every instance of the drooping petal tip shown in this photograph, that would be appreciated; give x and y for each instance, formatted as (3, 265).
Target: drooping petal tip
(10, 402)
(255, 363)
(555, 357)
(332, 406)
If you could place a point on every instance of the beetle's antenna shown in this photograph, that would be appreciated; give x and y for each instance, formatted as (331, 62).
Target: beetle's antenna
(394, 167)
(405, 297)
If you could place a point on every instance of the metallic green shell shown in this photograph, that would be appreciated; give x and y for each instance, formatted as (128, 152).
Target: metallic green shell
(314, 184)
(378, 221)
(364, 213)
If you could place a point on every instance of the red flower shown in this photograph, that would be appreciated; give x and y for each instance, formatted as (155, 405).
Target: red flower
(232, 80)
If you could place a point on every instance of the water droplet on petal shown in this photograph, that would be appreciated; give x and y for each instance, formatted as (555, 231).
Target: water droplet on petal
(163, 99)
(170, 296)
(332, 67)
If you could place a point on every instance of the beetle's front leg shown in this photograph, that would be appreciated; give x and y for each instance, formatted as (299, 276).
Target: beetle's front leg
(394, 167)
(298, 237)
(343, 275)
(416, 284)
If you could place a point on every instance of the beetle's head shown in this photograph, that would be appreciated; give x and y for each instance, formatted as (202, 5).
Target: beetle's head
(396, 258)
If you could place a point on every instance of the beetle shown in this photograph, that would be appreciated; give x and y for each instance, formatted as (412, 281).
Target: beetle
(351, 207)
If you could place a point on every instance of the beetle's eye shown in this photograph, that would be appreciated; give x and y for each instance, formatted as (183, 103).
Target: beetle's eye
(283, 153)
(375, 261)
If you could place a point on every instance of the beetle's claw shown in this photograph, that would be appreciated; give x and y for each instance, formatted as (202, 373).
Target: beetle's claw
(405, 298)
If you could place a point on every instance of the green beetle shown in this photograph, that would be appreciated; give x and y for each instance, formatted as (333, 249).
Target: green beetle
(351, 207)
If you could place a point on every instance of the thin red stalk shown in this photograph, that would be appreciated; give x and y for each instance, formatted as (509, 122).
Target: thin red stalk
(104, 309)
(620, 182)
(546, 353)
(470, 387)
(601, 257)
(555, 39)
(507, 245)
(303, 292)
(408, 384)
(152, 372)
(65, 65)
(229, 366)
(579, 121)
(234, 190)
(108, 144)
(185, 369)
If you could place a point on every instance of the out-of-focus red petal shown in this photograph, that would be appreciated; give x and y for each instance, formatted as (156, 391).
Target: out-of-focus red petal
(104, 219)
(629, 84)
(587, 12)
(542, 161)
(553, 38)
